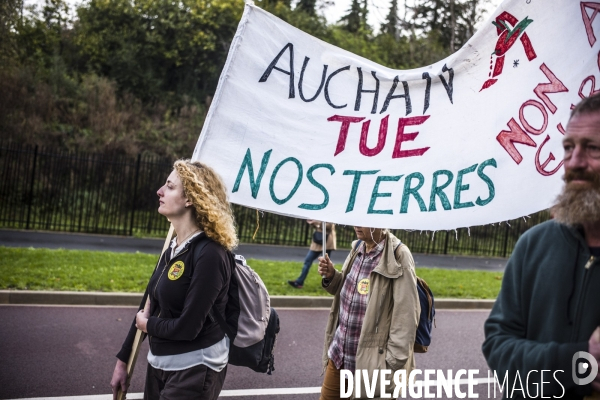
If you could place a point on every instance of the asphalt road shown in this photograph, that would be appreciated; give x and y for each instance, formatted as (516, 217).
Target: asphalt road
(49, 351)
(55, 240)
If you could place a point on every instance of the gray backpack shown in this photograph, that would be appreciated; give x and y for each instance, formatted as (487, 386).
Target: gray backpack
(250, 322)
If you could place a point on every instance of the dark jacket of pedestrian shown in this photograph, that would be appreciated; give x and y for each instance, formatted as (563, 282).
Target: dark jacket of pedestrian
(547, 309)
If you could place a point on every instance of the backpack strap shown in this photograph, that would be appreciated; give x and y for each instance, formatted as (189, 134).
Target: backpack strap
(421, 282)
(213, 314)
(396, 249)
(200, 246)
(428, 293)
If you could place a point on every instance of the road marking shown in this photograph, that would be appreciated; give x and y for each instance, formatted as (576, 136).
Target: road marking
(266, 392)
(244, 392)
(130, 396)
(224, 393)
(70, 306)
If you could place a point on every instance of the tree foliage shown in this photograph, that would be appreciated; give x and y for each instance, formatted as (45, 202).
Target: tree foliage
(307, 6)
(157, 48)
(355, 20)
(392, 22)
(138, 75)
(10, 15)
(452, 22)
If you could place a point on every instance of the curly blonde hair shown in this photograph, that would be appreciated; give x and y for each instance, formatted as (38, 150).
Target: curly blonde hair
(206, 191)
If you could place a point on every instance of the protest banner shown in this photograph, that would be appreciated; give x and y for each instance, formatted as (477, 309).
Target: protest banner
(302, 128)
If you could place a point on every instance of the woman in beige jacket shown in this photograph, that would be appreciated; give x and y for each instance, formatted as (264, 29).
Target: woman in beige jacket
(375, 311)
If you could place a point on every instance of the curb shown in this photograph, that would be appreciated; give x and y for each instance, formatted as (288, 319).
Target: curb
(47, 297)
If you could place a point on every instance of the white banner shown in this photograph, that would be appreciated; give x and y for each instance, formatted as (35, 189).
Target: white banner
(302, 128)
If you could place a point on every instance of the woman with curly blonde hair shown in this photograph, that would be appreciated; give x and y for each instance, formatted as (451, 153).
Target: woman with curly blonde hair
(189, 352)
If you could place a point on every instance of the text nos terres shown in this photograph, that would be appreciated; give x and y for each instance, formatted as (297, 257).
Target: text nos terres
(443, 190)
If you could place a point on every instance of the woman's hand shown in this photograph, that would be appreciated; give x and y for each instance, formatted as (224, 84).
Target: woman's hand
(147, 308)
(326, 269)
(141, 320)
(119, 379)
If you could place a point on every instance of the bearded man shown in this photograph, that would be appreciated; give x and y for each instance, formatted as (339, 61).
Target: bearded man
(542, 334)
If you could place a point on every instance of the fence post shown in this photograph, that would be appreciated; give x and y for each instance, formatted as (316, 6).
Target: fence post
(505, 241)
(35, 154)
(446, 243)
(134, 197)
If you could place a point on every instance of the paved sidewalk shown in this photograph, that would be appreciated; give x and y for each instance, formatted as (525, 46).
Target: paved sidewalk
(55, 240)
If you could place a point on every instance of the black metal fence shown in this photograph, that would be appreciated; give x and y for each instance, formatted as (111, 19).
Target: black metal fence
(53, 190)
(47, 189)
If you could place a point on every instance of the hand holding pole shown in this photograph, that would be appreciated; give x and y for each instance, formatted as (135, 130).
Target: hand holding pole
(326, 269)
(139, 337)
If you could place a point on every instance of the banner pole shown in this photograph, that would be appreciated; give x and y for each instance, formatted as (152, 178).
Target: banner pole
(323, 227)
(139, 335)
(324, 249)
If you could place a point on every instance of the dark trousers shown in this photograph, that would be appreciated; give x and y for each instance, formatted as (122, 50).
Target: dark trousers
(311, 256)
(198, 383)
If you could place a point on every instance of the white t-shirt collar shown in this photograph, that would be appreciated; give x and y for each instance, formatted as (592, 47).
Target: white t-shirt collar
(177, 249)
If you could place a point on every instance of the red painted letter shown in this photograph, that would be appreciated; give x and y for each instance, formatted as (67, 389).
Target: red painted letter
(346, 121)
(364, 134)
(540, 167)
(515, 134)
(587, 21)
(555, 86)
(526, 125)
(408, 137)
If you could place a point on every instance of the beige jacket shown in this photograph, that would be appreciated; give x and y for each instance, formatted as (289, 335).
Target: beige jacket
(388, 333)
(331, 240)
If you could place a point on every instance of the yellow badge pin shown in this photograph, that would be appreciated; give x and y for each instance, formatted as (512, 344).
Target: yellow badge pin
(363, 286)
(176, 270)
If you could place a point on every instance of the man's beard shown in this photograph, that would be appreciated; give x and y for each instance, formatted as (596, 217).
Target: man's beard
(578, 204)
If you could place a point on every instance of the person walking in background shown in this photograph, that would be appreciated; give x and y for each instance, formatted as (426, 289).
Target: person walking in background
(543, 330)
(316, 249)
(375, 312)
(189, 352)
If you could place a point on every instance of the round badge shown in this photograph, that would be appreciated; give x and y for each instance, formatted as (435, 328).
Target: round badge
(176, 270)
(363, 286)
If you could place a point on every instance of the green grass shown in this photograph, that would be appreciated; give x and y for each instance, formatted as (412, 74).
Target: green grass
(44, 269)
(462, 284)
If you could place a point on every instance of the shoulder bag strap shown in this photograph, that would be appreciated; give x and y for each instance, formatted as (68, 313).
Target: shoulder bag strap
(213, 314)
(357, 245)
(396, 249)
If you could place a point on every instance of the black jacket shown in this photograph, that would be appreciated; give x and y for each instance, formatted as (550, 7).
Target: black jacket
(182, 291)
(546, 311)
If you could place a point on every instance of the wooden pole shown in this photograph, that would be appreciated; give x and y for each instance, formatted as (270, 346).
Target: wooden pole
(324, 228)
(324, 249)
(139, 335)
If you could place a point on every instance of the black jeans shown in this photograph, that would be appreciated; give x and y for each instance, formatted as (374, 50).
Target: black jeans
(199, 382)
